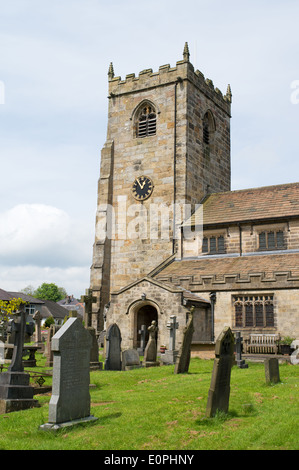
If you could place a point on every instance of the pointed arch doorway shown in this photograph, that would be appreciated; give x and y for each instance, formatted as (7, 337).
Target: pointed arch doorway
(145, 315)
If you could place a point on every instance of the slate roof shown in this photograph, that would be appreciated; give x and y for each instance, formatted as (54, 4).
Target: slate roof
(268, 202)
(237, 265)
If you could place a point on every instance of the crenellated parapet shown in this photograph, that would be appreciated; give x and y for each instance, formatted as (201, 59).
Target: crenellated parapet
(167, 75)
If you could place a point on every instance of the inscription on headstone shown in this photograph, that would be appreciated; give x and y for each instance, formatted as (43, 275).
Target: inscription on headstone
(218, 398)
(70, 400)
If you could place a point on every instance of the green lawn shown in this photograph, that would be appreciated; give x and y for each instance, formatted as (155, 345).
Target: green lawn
(154, 409)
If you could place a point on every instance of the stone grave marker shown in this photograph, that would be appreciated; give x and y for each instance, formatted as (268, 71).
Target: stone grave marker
(70, 401)
(142, 333)
(218, 397)
(48, 351)
(113, 348)
(130, 359)
(272, 370)
(170, 355)
(88, 299)
(94, 351)
(240, 362)
(150, 353)
(183, 357)
(15, 391)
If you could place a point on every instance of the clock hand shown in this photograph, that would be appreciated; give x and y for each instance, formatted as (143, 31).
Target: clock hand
(141, 185)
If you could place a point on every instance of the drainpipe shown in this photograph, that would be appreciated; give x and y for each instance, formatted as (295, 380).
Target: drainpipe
(213, 301)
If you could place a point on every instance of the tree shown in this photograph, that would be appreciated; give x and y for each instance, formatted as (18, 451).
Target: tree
(50, 292)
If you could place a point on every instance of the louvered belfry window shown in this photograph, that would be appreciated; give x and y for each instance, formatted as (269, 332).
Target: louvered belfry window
(146, 122)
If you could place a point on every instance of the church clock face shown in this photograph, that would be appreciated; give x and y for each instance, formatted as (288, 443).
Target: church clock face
(142, 188)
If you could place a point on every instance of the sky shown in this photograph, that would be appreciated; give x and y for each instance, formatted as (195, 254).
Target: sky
(54, 60)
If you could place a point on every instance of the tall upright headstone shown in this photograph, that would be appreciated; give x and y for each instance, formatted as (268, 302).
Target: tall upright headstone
(88, 299)
(15, 391)
(48, 351)
(94, 351)
(142, 333)
(150, 353)
(218, 398)
(113, 348)
(240, 362)
(70, 400)
(183, 357)
(170, 355)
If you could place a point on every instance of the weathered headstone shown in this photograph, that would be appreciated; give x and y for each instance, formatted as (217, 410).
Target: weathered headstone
(70, 400)
(218, 398)
(170, 355)
(150, 353)
(88, 299)
(48, 351)
(183, 357)
(113, 348)
(240, 362)
(94, 351)
(130, 359)
(37, 336)
(15, 391)
(142, 333)
(272, 370)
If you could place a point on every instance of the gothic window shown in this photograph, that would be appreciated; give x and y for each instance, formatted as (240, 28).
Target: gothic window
(271, 240)
(146, 121)
(213, 245)
(208, 128)
(256, 311)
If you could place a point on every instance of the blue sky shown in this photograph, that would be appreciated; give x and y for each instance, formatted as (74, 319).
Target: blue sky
(54, 62)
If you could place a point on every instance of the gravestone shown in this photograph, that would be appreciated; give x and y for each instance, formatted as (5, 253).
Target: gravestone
(240, 362)
(113, 349)
(142, 333)
(150, 353)
(272, 370)
(130, 359)
(94, 351)
(183, 357)
(70, 401)
(218, 398)
(170, 355)
(88, 299)
(15, 391)
(48, 351)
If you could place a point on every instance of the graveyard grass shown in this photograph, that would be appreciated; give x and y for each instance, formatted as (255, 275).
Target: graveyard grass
(155, 409)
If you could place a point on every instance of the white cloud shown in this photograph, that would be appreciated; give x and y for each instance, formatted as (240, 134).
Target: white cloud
(42, 235)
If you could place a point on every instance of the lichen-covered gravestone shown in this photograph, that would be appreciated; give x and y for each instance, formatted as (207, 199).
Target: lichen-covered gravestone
(70, 400)
(272, 370)
(183, 357)
(218, 398)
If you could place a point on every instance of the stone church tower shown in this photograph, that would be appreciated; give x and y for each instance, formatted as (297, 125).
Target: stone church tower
(168, 142)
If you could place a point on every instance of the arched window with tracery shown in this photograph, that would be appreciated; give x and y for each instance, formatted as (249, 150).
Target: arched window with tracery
(146, 121)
